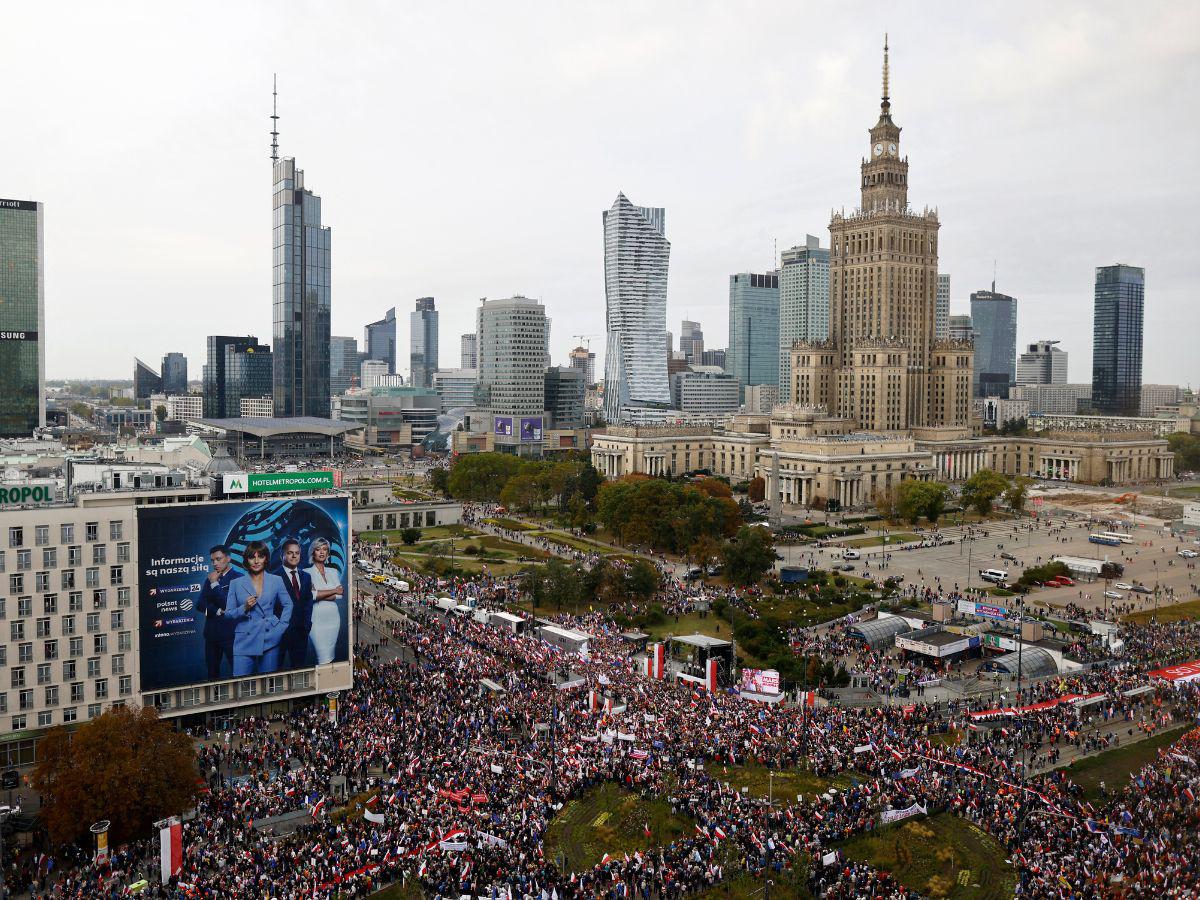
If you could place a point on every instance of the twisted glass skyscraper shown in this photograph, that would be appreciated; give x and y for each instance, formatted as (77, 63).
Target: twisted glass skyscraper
(636, 256)
(300, 298)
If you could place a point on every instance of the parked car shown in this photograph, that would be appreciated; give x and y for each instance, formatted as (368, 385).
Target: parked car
(1123, 586)
(1065, 581)
(1007, 555)
(1114, 595)
(1141, 589)
(1188, 554)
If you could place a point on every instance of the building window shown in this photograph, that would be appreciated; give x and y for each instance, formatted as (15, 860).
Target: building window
(125, 641)
(43, 628)
(16, 584)
(221, 693)
(16, 677)
(66, 534)
(114, 531)
(99, 554)
(52, 695)
(41, 534)
(76, 646)
(93, 667)
(24, 606)
(117, 617)
(100, 643)
(101, 686)
(189, 697)
(16, 631)
(77, 692)
(75, 601)
(93, 577)
(100, 599)
(67, 580)
(70, 714)
(91, 532)
(16, 536)
(123, 596)
(125, 685)
(93, 710)
(68, 670)
(93, 622)
(24, 560)
(74, 556)
(50, 604)
(25, 699)
(45, 718)
(18, 723)
(50, 649)
(118, 664)
(43, 673)
(25, 652)
(123, 553)
(116, 574)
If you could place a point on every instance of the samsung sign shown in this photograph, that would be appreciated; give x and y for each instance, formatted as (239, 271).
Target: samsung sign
(18, 335)
(38, 493)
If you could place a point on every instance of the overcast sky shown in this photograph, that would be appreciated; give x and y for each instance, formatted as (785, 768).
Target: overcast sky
(465, 150)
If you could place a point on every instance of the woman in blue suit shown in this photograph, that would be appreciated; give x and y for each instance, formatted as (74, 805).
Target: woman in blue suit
(260, 609)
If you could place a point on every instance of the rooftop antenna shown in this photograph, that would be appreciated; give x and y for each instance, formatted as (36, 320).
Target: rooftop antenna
(274, 118)
(993, 276)
(885, 104)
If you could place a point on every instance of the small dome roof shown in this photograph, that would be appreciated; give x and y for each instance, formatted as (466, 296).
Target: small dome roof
(221, 463)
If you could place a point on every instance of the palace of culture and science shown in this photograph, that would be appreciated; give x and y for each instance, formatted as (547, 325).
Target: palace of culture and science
(882, 400)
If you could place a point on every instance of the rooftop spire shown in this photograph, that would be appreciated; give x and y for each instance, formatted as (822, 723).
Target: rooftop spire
(885, 105)
(274, 119)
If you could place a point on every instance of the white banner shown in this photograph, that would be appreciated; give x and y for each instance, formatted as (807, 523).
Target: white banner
(864, 748)
(829, 858)
(626, 737)
(375, 817)
(895, 815)
(490, 839)
(452, 845)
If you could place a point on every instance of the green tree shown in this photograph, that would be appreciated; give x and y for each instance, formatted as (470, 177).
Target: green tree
(410, 535)
(160, 413)
(562, 583)
(534, 584)
(127, 766)
(982, 489)
(749, 555)
(1186, 448)
(642, 579)
(439, 480)
(482, 476)
(1017, 493)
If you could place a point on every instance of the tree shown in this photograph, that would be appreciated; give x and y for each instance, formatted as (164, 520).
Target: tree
(127, 766)
(750, 555)
(482, 476)
(704, 550)
(1186, 448)
(160, 413)
(982, 489)
(915, 499)
(642, 579)
(885, 503)
(1017, 493)
(410, 535)
(439, 480)
(534, 584)
(758, 489)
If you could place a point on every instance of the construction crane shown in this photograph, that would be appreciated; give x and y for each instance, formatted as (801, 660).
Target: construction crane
(585, 340)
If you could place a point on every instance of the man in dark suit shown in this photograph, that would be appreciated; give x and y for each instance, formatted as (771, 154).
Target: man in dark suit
(299, 585)
(218, 632)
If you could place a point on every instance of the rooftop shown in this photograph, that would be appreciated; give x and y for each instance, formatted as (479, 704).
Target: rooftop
(274, 427)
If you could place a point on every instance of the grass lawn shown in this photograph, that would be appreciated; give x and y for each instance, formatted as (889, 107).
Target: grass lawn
(437, 532)
(511, 524)
(931, 856)
(409, 494)
(787, 886)
(1176, 612)
(901, 537)
(610, 819)
(786, 784)
(569, 540)
(691, 623)
(1114, 767)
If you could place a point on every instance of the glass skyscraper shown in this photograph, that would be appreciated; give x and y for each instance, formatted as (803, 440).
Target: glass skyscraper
(423, 342)
(803, 305)
(237, 368)
(1117, 340)
(22, 319)
(174, 374)
(145, 380)
(300, 300)
(379, 339)
(514, 351)
(994, 320)
(343, 363)
(636, 257)
(752, 355)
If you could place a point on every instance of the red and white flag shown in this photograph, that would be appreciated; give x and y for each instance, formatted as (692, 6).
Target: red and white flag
(170, 834)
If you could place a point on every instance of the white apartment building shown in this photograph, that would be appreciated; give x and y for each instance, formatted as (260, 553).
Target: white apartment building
(256, 408)
(1042, 363)
(705, 390)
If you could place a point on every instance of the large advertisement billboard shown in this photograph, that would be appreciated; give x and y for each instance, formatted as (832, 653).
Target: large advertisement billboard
(531, 429)
(242, 588)
(503, 425)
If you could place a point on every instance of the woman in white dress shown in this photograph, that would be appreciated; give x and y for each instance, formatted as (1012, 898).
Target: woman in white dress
(327, 590)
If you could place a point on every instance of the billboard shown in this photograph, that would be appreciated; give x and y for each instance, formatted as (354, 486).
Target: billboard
(242, 588)
(278, 482)
(503, 426)
(760, 681)
(531, 428)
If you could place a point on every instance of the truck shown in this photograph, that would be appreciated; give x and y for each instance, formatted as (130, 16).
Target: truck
(1090, 568)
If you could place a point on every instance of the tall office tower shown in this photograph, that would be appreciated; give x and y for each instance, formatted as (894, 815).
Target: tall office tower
(380, 340)
(423, 342)
(469, 355)
(1117, 339)
(752, 357)
(237, 367)
(514, 352)
(585, 359)
(960, 328)
(691, 342)
(1042, 363)
(456, 387)
(300, 335)
(22, 319)
(994, 319)
(636, 256)
(174, 374)
(881, 366)
(145, 380)
(670, 342)
(941, 316)
(715, 357)
(803, 304)
(565, 390)
(343, 364)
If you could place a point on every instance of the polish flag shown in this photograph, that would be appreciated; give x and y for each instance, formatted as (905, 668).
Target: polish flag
(646, 828)
(316, 810)
(604, 859)
(170, 835)
(718, 834)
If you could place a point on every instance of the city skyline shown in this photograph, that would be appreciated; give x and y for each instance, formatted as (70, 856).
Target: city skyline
(780, 171)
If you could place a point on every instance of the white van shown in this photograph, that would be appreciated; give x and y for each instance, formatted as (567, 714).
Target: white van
(851, 554)
(994, 575)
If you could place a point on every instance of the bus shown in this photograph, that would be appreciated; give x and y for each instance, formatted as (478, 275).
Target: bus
(1118, 536)
(1104, 538)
